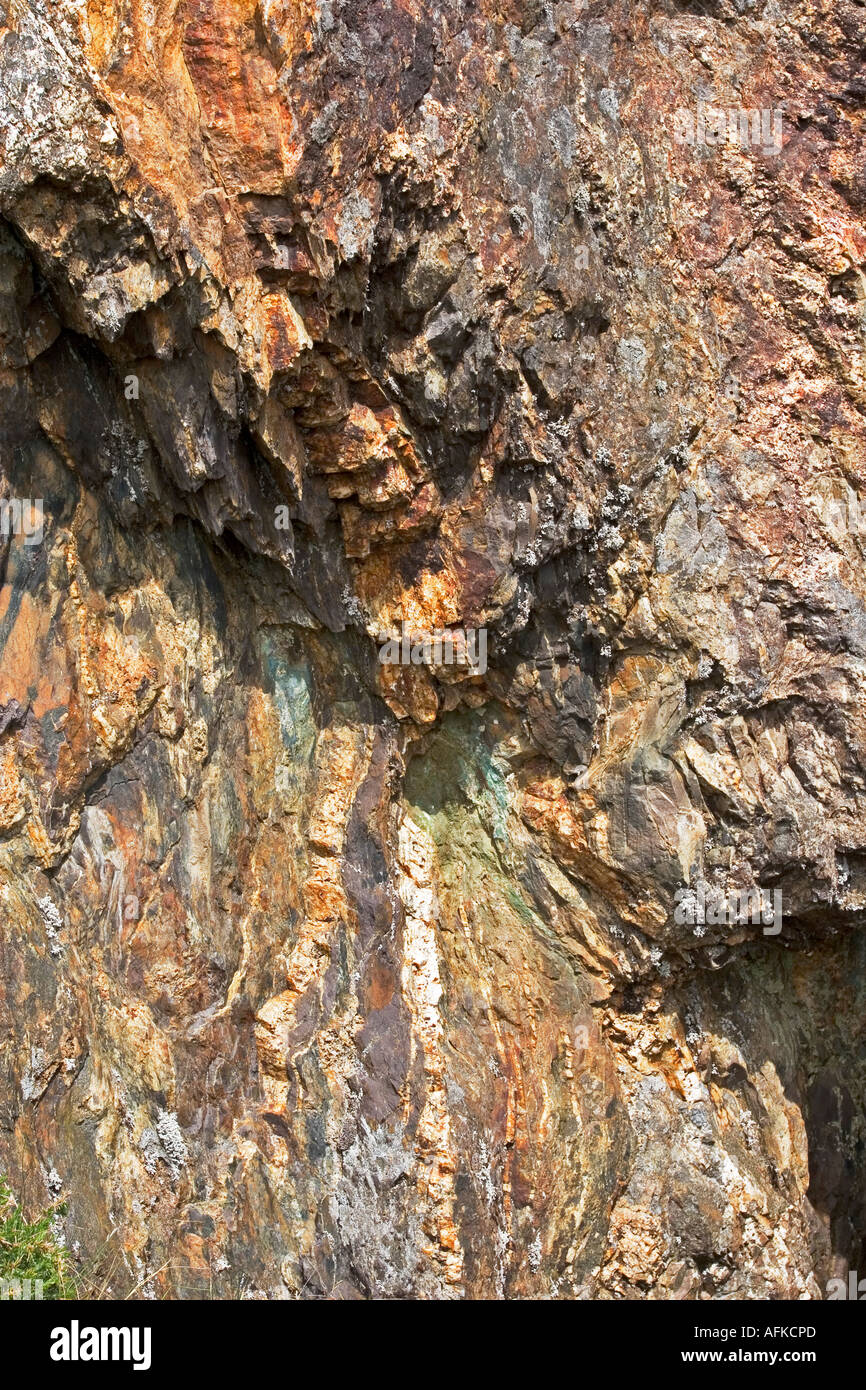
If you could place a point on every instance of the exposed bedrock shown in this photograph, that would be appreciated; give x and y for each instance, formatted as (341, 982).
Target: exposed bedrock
(329, 976)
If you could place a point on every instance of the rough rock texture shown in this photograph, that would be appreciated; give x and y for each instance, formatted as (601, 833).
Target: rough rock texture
(328, 978)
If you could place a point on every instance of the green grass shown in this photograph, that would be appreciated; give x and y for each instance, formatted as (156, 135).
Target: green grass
(29, 1250)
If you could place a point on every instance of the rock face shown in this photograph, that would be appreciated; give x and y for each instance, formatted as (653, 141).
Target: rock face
(325, 976)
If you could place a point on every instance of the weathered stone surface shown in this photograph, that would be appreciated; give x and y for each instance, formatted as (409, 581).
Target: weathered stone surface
(324, 978)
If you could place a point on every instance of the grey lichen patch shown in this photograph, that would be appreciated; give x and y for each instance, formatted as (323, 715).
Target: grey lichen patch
(609, 103)
(563, 135)
(53, 924)
(165, 1143)
(632, 354)
(355, 226)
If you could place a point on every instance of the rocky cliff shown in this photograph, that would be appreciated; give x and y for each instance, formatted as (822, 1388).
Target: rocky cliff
(326, 324)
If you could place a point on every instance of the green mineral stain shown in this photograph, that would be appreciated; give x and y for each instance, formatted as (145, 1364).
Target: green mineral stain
(460, 770)
(291, 689)
(457, 791)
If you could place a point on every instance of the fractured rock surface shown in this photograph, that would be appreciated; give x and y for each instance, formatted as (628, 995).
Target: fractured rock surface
(323, 977)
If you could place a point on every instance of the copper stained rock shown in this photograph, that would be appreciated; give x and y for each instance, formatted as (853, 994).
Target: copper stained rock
(324, 977)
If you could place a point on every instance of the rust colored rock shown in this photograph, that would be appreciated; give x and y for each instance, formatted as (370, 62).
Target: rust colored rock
(331, 973)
